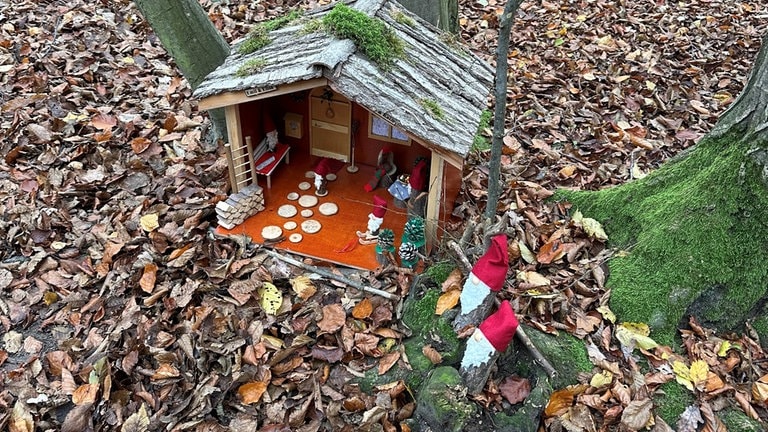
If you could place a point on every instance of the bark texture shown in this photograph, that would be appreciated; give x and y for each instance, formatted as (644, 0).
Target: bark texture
(500, 109)
(748, 115)
(191, 40)
(443, 14)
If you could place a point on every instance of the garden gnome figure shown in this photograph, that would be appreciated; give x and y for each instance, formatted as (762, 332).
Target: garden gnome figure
(321, 184)
(484, 281)
(375, 219)
(485, 346)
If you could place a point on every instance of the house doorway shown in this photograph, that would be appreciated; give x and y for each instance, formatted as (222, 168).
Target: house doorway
(330, 119)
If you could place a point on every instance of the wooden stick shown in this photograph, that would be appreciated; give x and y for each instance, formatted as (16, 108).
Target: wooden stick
(329, 275)
(520, 333)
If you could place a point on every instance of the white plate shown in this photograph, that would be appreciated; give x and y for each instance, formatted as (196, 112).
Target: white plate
(287, 210)
(304, 186)
(310, 226)
(328, 209)
(308, 201)
(295, 237)
(271, 232)
(307, 213)
(293, 196)
(330, 177)
(309, 174)
(290, 225)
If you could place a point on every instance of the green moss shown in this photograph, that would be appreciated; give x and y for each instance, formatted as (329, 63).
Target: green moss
(439, 271)
(370, 35)
(480, 142)
(251, 67)
(403, 19)
(736, 420)
(689, 228)
(440, 403)
(433, 108)
(672, 401)
(258, 37)
(312, 26)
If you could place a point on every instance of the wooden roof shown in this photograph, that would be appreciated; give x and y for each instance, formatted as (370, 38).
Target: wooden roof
(449, 74)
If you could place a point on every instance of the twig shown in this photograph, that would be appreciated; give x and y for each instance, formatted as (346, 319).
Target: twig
(520, 333)
(329, 275)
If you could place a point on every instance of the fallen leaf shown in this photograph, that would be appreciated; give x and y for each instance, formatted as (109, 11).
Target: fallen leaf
(453, 281)
(137, 422)
(21, 419)
(760, 389)
(165, 371)
(447, 301)
(550, 251)
(601, 379)
(148, 278)
(515, 389)
(149, 222)
(363, 309)
(432, 354)
(559, 402)
(533, 278)
(637, 414)
(682, 374)
(387, 361)
(334, 318)
(85, 394)
(271, 298)
(140, 144)
(635, 335)
(303, 287)
(251, 392)
(698, 373)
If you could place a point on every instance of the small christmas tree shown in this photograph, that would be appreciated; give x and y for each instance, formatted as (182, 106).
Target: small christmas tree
(408, 255)
(385, 245)
(413, 232)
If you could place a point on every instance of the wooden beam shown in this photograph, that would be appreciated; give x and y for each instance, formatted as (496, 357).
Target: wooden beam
(232, 113)
(432, 218)
(237, 97)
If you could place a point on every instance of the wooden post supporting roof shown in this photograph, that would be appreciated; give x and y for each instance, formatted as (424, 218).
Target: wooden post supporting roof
(236, 146)
(432, 218)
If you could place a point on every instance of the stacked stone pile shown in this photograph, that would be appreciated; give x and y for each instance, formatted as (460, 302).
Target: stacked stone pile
(240, 206)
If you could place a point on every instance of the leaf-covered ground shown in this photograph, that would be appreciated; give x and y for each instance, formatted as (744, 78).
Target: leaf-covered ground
(119, 310)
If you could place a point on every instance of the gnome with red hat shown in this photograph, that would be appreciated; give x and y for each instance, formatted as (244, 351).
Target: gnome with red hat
(486, 344)
(321, 170)
(375, 219)
(484, 281)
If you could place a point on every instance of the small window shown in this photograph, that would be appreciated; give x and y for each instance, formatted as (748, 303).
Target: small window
(380, 129)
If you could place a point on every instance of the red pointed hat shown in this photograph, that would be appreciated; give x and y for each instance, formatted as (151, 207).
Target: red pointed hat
(491, 268)
(500, 327)
(418, 179)
(322, 168)
(379, 206)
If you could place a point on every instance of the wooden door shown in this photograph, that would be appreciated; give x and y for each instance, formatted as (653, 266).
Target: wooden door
(330, 118)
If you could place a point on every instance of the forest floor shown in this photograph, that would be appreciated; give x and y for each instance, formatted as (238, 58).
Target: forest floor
(120, 310)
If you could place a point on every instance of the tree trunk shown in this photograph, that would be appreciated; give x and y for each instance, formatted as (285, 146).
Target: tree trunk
(443, 14)
(191, 40)
(693, 231)
(500, 109)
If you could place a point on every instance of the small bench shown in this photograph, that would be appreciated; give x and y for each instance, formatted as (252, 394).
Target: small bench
(266, 162)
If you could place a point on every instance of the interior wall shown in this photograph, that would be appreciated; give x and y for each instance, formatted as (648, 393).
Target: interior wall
(367, 149)
(451, 189)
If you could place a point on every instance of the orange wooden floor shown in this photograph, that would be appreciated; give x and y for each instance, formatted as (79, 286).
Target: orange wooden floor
(338, 231)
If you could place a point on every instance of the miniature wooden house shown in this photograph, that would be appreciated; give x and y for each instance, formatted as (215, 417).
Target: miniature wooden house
(327, 99)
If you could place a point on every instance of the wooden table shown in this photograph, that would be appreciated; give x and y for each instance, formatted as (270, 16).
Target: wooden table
(267, 162)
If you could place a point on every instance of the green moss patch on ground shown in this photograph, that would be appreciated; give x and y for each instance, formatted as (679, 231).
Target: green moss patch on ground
(671, 401)
(693, 225)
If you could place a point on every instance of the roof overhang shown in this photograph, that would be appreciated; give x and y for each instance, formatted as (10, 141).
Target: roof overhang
(222, 100)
